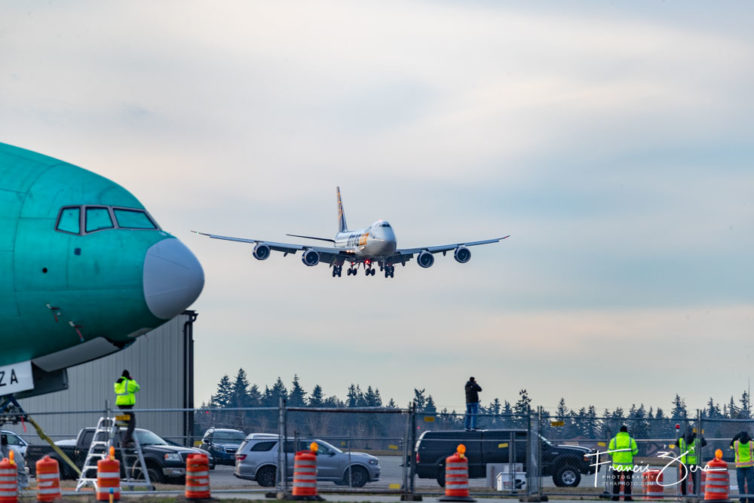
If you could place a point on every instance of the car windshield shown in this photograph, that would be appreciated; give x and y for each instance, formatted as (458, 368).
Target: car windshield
(148, 438)
(228, 436)
(545, 441)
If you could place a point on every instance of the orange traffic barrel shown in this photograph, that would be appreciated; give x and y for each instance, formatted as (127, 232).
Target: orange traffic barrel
(48, 479)
(305, 473)
(717, 481)
(197, 477)
(653, 488)
(457, 476)
(8, 481)
(108, 478)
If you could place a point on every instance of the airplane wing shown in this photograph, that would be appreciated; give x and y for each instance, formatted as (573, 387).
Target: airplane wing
(403, 255)
(326, 255)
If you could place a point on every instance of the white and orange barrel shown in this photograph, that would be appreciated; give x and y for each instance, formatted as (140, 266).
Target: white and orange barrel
(8, 481)
(197, 477)
(717, 481)
(457, 476)
(108, 478)
(48, 479)
(653, 488)
(305, 473)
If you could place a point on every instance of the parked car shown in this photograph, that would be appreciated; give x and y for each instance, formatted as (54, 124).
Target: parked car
(222, 443)
(15, 440)
(166, 461)
(565, 463)
(257, 459)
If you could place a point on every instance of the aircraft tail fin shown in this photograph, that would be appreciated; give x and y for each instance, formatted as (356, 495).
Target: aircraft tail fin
(342, 227)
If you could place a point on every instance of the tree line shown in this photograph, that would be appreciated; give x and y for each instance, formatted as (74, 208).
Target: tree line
(561, 423)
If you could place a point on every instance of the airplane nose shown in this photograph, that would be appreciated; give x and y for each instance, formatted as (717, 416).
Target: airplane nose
(173, 278)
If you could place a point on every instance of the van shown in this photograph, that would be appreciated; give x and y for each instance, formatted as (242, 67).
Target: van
(565, 463)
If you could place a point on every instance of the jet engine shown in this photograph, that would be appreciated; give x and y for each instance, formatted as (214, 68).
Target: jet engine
(310, 258)
(261, 251)
(425, 259)
(462, 254)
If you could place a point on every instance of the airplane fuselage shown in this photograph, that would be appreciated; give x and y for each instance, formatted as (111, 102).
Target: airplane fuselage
(85, 268)
(377, 240)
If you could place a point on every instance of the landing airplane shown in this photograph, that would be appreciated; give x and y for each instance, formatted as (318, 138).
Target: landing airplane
(84, 271)
(371, 245)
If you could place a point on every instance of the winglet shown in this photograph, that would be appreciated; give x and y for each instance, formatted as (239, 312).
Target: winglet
(342, 227)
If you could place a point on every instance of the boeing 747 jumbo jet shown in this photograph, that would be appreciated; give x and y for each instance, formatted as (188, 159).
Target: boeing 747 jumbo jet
(372, 245)
(84, 271)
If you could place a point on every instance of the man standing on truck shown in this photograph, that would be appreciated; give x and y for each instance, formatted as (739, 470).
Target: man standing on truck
(125, 391)
(622, 448)
(472, 403)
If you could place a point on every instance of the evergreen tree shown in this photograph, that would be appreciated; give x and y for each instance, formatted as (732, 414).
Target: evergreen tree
(372, 398)
(419, 399)
(429, 407)
(355, 397)
(240, 390)
(732, 409)
(224, 394)
(523, 405)
(507, 409)
(744, 412)
(712, 410)
(316, 399)
(255, 397)
(297, 396)
(277, 392)
(679, 408)
(391, 404)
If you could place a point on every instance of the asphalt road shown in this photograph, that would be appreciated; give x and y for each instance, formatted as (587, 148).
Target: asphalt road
(391, 477)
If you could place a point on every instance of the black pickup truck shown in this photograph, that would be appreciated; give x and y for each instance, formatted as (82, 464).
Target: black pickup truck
(565, 463)
(166, 462)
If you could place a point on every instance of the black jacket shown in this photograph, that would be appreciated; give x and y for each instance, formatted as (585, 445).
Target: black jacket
(472, 392)
(742, 436)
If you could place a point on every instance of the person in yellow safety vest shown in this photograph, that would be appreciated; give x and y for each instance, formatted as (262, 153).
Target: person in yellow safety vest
(689, 448)
(125, 399)
(743, 448)
(622, 448)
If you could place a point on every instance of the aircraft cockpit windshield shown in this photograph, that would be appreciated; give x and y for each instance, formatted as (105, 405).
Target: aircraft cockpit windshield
(87, 219)
(384, 224)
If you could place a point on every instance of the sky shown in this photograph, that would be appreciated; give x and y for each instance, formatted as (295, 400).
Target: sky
(614, 142)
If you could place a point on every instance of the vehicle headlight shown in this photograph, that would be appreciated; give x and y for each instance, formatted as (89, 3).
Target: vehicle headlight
(374, 462)
(173, 456)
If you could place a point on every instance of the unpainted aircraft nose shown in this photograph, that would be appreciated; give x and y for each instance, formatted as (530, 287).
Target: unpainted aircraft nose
(173, 278)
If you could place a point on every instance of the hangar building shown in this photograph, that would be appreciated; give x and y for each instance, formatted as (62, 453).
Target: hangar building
(161, 361)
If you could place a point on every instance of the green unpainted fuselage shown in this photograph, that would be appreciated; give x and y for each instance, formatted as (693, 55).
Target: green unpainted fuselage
(72, 264)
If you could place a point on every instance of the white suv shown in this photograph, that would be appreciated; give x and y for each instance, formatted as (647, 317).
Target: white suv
(257, 459)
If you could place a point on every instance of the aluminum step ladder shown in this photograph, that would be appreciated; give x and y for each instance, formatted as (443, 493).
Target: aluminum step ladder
(106, 435)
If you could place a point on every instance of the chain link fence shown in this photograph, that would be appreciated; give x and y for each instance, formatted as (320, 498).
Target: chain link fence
(401, 451)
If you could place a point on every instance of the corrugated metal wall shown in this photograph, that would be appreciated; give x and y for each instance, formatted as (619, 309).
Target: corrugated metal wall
(159, 361)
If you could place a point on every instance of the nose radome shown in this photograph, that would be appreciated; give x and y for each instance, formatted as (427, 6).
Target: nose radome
(173, 278)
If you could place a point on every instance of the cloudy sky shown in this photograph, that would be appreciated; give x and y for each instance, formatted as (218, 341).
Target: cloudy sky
(613, 140)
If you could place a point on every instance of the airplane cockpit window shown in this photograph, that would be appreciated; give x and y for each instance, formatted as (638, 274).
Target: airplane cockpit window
(384, 224)
(98, 219)
(69, 220)
(133, 219)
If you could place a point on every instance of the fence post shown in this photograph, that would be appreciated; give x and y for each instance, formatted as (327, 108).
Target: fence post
(409, 456)
(282, 471)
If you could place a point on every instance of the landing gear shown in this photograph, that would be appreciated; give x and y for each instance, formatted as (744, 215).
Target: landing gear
(370, 271)
(351, 270)
(389, 271)
(337, 270)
